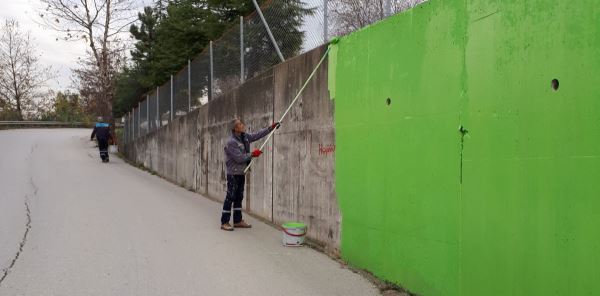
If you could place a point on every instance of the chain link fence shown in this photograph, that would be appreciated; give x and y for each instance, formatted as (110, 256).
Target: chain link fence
(200, 79)
(164, 103)
(247, 49)
(153, 122)
(243, 52)
(227, 61)
(136, 122)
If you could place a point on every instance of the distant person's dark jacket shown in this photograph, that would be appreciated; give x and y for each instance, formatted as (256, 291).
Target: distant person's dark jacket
(102, 131)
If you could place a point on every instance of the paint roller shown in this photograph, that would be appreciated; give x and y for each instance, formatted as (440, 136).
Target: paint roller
(332, 42)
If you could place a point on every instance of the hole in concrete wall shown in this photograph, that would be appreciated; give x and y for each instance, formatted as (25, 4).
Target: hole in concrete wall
(388, 101)
(555, 84)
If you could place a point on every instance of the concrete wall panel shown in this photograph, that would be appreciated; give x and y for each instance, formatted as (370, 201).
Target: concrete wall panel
(298, 169)
(303, 187)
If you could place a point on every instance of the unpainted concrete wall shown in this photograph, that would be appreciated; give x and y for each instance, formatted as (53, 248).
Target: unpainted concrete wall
(292, 181)
(304, 151)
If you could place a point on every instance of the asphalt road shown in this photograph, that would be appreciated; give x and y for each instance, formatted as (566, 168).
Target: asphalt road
(70, 225)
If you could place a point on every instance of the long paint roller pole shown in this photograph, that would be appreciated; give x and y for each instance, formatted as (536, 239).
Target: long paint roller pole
(291, 105)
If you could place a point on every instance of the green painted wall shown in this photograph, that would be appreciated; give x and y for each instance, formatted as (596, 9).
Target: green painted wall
(513, 206)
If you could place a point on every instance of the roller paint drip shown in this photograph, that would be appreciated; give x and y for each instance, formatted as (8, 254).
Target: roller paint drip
(333, 41)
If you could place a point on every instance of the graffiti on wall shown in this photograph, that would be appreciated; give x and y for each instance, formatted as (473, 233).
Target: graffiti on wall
(326, 150)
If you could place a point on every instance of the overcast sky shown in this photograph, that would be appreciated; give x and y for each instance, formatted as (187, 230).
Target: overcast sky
(60, 55)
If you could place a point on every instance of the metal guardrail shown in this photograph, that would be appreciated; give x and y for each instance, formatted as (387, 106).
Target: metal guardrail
(42, 123)
(49, 124)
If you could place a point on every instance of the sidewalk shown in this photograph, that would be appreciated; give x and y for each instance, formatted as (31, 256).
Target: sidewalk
(112, 229)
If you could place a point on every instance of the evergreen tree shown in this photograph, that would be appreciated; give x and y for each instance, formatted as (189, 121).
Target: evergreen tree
(167, 37)
(129, 90)
(142, 55)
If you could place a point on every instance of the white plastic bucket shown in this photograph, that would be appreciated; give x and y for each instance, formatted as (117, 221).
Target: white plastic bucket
(293, 234)
(113, 149)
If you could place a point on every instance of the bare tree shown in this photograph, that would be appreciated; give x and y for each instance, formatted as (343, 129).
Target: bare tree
(22, 78)
(89, 83)
(351, 15)
(44, 106)
(99, 23)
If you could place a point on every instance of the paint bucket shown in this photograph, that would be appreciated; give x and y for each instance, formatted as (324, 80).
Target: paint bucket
(113, 149)
(293, 234)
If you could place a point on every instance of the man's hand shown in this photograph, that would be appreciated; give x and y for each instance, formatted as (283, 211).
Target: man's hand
(256, 153)
(275, 125)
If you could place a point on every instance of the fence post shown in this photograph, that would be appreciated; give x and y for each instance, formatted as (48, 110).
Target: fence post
(124, 119)
(262, 17)
(211, 74)
(189, 86)
(129, 137)
(159, 123)
(132, 127)
(147, 114)
(139, 129)
(325, 23)
(242, 49)
(171, 99)
(387, 8)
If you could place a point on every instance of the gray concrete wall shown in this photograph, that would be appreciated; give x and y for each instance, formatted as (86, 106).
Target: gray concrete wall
(304, 183)
(292, 181)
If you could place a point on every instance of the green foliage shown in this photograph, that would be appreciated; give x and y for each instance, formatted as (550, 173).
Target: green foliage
(168, 35)
(285, 17)
(67, 107)
(142, 55)
(183, 33)
(8, 114)
(129, 89)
